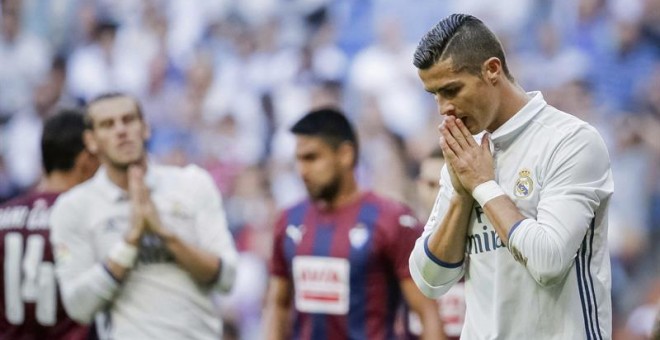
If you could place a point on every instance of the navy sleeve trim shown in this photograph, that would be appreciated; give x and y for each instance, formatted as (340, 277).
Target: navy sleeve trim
(436, 260)
(218, 272)
(515, 225)
(105, 267)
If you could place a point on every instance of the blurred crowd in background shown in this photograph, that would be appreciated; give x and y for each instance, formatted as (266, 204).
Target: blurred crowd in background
(221, 82)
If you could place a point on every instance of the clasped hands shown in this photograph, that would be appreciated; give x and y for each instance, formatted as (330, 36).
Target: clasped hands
(469, 163)
(144, 215)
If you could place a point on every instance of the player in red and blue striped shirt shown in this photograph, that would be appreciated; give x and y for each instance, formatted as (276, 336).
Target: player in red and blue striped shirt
(340, 259)
(30, 307)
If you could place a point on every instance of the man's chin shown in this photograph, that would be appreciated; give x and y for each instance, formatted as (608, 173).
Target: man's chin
(313, 195)
(321, 197)
(125, 163)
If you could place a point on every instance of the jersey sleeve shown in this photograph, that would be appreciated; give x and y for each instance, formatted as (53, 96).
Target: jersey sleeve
(577, 181)
(432, 277)
(211, 225)
(278, 264)
(405, 229)
(85, 286)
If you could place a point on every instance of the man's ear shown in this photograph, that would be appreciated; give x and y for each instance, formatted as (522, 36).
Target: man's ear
(146, 130)
(90, 143)
(347, 154)
(492, 70)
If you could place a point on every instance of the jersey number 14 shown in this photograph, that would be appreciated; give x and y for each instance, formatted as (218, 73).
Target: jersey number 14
(28, 280)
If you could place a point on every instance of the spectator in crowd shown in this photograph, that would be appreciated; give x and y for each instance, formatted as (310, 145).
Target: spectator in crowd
(24, 58)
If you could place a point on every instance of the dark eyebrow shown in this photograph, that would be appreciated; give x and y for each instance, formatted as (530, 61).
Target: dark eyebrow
(444, 87)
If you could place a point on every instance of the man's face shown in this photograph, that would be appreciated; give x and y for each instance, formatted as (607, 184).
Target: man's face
(428, 182)
(463, 95)
(319, 167)
(118, 132)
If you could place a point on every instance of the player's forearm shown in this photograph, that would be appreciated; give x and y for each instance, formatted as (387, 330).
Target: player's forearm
(436, 262)
(204, 266)
(504, 214)
(122, 256)
(431, 326)
(425, 308)
(117, 271)
(544, 246)
(278, 309)
(447, 242)
(87, 293)
(277, 322)
(541, 254)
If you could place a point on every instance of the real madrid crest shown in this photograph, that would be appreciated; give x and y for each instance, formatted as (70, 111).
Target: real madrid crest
(524, 184)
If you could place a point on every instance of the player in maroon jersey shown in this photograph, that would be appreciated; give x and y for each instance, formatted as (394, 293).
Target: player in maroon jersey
(340, 259)
(29, 304)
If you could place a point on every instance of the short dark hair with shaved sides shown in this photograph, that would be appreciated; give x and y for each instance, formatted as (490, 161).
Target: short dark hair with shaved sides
(329, 124)
(62, 140)
(105, 96)
(463, 38)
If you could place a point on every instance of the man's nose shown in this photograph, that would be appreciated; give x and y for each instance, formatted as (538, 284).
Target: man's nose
(446, 109)
(302, 169)
(120, 127)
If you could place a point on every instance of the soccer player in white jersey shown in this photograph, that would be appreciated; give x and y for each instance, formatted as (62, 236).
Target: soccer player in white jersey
(142, 247)
(522, 215)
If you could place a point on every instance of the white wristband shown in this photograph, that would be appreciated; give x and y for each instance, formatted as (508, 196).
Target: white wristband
(486, 191)
(123, 254)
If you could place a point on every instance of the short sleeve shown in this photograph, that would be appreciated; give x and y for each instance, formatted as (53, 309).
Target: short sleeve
(278, 263)
(406, 228)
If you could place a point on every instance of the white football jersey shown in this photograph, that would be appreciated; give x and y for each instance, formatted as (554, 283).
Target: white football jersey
(158, 299)
(552, 281)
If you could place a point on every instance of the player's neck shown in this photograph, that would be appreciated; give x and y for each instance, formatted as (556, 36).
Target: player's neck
(514, 99)
(57, 181)
(348, 193)
(119, 174)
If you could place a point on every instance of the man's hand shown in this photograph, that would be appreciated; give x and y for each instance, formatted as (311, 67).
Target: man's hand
(469, 163)
(145, 215)
(456, 182)
(153, 222)
(138, 195)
